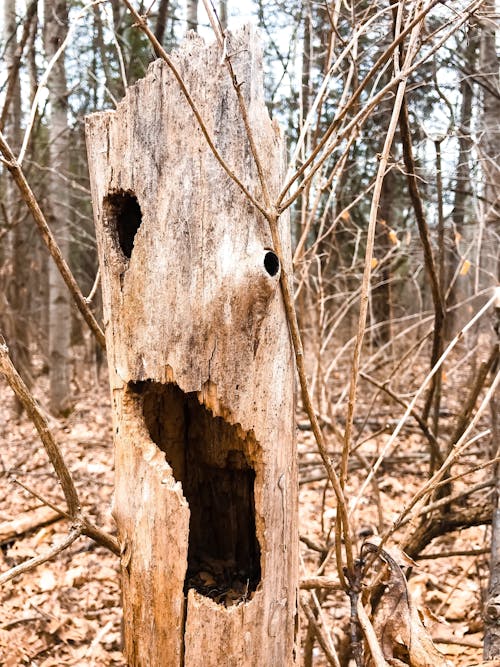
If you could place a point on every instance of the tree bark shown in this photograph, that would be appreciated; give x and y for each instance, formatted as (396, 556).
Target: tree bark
(490, 152)
(306, 58)
(192, 14)
(463, 187)
(15, 322)
(490, 138)
(56, 24)
(161, 21)
(201, 368)
(223, 13)
(382, 299)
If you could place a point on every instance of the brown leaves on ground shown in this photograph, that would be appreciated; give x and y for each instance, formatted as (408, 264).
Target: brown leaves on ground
(67, 611)
(397, 623)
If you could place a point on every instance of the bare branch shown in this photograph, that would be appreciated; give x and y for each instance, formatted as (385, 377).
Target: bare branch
(49, 240)
(31, 564)
(40, 421)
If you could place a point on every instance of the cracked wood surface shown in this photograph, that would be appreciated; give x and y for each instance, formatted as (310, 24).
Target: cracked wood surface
(195, 305)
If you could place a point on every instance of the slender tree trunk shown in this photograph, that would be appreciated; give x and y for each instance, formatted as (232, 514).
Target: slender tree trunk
(492, 604)
(490, 137)
(306, 58)
(382, 295)
(161, 21)
(16, 325)
(490, 154)
(38, 279)
(192, 15)
(223, 13)
(56, 25)
(463, 186)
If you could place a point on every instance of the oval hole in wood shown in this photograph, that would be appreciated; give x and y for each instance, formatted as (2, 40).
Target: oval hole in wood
(271, 263)
(124, 217)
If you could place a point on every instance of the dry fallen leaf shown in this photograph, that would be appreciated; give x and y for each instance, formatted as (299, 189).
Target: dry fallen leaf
(47, 581)
(403, 637)
(76, 630)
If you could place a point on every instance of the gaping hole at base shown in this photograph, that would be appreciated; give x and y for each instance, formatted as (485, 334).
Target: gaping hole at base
(271, 263)
(211, 460)
(124, 217)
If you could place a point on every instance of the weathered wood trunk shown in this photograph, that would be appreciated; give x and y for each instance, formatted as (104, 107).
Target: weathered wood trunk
(201, 369)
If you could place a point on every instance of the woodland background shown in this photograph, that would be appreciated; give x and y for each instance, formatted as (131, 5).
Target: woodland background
(391, 267)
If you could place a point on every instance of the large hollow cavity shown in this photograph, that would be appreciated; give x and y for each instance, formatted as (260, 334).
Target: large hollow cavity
(124, 217)
(211, 459)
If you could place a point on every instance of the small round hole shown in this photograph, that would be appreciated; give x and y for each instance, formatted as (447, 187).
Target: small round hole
(271, 263)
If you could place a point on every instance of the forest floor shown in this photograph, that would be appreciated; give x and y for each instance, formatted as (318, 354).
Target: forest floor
(67, 611)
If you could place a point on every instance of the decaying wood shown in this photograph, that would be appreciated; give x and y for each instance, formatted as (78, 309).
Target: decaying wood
(201, 368)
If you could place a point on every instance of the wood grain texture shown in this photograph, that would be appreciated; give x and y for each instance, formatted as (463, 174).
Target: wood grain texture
(201, 366)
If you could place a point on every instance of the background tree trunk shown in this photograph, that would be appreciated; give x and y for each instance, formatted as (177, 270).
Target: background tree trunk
(192, 14)
(306, 59)
(161, 21)
(56, 25)
(490, 135)
(463, 185)
(201, 369)
(16, 267)
(223, 13)
(490, 152)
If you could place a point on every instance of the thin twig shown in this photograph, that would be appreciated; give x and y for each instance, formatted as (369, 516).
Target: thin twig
(328, 583)
(93, 291)
(423, 426)
(453, 497)
(391, 441)
(40, 422)
(452, 554)
(329, 655)
(368, 262)
(28, 565)
(370, 636)
(470, 402)
(430, 265)
(42, 499)
(88, 528)
(48, 238)
(54, 453)
(142, 25)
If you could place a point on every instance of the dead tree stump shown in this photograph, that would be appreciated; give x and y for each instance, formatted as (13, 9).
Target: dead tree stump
(201, 368)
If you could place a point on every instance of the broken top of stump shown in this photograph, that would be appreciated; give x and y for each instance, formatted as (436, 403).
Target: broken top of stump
(189, 258)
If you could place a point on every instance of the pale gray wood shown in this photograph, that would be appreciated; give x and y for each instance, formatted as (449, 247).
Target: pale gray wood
(194, 311)
(55, 29)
